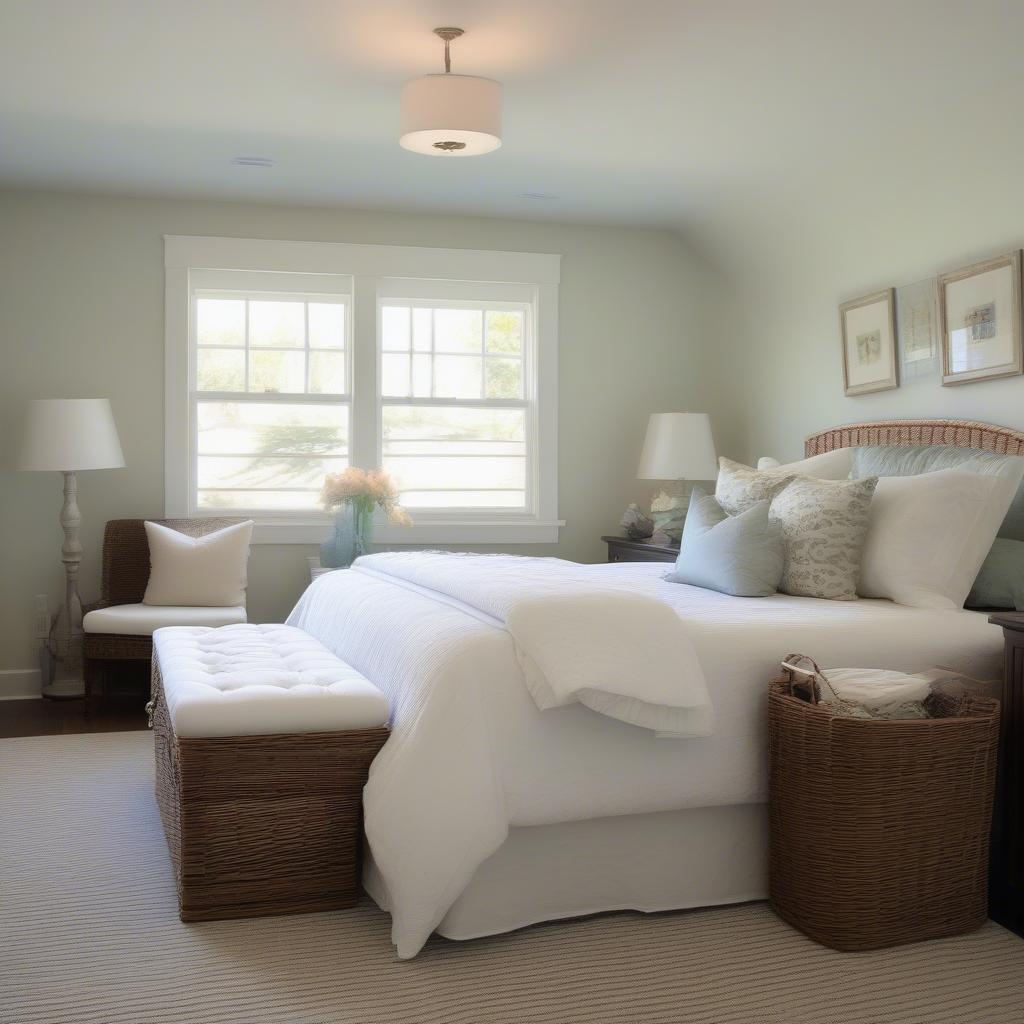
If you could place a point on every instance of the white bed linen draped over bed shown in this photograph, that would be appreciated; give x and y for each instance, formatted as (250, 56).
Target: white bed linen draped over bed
(471, 754)
(624, 655)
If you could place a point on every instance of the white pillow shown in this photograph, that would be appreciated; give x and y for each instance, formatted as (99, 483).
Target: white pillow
(834, 465)
(928, 536)
(205, 571)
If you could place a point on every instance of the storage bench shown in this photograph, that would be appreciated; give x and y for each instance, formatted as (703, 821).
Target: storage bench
(263, 744)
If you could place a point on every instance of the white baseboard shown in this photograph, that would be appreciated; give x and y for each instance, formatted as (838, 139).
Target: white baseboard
(19, 683)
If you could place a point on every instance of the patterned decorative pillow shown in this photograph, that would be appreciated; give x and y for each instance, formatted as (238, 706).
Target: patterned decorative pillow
(824, 523)
(739, 487)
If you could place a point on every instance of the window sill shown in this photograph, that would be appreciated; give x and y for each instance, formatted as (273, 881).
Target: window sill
(526, 531)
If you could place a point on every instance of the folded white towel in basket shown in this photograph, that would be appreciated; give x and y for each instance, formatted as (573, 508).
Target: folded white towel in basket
(878, 689)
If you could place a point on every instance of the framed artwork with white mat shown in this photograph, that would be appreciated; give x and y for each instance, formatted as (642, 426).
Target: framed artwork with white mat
(868, 329)
(980, 320)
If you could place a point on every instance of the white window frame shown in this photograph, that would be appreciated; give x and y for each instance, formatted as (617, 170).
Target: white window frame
(373, 270)
(456, 295)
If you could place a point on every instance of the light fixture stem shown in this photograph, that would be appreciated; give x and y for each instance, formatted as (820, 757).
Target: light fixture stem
(448, 34)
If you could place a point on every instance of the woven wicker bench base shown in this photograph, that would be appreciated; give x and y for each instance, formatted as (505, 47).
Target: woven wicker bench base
(262, 825)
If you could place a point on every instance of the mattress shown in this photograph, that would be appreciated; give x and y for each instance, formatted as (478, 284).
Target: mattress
(471, 756)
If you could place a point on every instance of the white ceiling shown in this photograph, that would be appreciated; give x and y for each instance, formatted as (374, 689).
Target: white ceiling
(629, 111)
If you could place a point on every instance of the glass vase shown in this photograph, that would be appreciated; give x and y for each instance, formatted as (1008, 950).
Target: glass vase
(350, 537)
(362, 528)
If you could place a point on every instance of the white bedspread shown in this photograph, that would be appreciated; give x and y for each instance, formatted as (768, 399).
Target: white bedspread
(625, 655)
(471, 754)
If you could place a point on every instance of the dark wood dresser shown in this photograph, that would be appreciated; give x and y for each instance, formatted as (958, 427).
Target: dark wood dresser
(622, 549)
(1006, 876)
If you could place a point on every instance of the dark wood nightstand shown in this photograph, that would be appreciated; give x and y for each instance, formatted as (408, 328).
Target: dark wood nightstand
(622, 549)
(1006, 875)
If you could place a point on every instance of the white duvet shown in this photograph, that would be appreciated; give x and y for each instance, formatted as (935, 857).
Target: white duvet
(471, 754)
(625, 655)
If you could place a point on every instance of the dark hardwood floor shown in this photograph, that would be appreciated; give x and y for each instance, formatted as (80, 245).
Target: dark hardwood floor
(122, 709)
(56, 717)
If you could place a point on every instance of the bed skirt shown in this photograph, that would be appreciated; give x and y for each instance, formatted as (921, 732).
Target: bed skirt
(674, 860)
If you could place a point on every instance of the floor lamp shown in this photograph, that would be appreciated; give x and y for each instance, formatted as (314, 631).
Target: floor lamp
(67, 435)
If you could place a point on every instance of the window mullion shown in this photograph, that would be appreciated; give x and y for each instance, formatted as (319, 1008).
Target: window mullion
(247, 345)
(305, 311)
(433, 355)
(483, 354)
(364, 429)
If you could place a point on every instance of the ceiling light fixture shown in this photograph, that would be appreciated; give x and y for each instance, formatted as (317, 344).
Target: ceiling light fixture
(451, 115)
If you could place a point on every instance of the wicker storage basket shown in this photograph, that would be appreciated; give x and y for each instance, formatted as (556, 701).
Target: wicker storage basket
(260, 825)
(879, 829)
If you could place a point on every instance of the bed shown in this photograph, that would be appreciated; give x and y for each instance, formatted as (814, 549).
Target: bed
(485, 813)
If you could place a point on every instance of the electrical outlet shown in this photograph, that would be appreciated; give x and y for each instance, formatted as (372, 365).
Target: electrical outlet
(42, 616)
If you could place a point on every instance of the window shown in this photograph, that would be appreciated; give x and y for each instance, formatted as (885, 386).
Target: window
(269, 385)
(455, 406)
(313, 356)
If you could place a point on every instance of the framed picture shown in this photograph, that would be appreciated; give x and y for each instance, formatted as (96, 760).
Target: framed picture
(979, 321)
(917, 328)
(868, 327)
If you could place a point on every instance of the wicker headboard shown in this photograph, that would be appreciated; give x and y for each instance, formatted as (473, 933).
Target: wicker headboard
(961, 433)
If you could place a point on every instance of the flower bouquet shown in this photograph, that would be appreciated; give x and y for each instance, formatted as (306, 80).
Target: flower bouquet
(353, 495)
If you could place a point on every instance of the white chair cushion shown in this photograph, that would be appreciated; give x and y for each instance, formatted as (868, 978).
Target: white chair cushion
(208, 570)
(253, 680)
(142, 619)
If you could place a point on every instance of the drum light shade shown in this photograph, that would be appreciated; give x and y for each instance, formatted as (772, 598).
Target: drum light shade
(451, 115)
(678, 446)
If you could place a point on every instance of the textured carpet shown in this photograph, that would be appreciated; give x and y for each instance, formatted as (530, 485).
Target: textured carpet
(89, 935)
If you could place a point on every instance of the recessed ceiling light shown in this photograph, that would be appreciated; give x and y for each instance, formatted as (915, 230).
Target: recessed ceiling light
(253, 161)
(537, 195)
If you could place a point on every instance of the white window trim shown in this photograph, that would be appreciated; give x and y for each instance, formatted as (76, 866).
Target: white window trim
(372, 268)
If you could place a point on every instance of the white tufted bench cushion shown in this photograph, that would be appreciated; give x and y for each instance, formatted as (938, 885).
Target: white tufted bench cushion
(256, 680)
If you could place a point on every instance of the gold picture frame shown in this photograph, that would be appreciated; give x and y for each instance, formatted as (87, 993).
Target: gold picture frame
(980, 321)
(867, 329)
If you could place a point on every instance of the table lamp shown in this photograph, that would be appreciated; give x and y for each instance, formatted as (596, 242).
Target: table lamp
(67, 435)
(678, 447)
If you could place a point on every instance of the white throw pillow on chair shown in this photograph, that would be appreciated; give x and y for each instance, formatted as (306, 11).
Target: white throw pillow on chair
(207, 571)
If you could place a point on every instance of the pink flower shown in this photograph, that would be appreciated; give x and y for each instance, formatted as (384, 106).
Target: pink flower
(366, 488)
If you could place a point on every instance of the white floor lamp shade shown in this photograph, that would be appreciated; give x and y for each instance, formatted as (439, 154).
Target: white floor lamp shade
(678, 446)
(66, 435)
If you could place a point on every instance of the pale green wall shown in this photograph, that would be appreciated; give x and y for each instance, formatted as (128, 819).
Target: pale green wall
(81, 314)
(793, 256)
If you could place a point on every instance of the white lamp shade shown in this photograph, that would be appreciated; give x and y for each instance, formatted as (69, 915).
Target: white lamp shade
(68, 434)
(678, 446)
(451, 115)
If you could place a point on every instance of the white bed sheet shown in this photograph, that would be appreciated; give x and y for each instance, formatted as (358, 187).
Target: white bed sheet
(471, 755)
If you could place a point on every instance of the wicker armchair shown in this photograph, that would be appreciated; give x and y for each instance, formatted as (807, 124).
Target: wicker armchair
(125, 574)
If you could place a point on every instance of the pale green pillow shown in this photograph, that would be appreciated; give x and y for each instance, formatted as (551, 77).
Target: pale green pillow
(1000, 584)
(739, 555)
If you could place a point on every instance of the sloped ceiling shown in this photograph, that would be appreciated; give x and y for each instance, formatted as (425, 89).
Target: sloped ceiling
(643, 112)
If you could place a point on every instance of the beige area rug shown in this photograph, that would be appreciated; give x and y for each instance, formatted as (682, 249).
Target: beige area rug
(89, 934)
